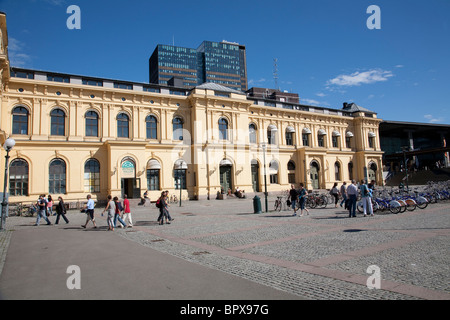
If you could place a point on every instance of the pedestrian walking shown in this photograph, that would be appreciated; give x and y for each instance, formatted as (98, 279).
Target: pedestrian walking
(89, 209)
(302, 193)
(111, 210)
(61, 211)
(335, 193)
(161, 203)
(42, 210)
(293, 195)
(366, 198)
(352, 192)
(117, 213)
(343, 191)
(127, 211)
(50, 206)
(168, 205)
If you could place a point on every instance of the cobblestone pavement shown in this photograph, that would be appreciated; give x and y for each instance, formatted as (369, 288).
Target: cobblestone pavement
(324, 255)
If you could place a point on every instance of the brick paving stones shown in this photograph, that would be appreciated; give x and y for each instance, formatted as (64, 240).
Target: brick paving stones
(323, 256)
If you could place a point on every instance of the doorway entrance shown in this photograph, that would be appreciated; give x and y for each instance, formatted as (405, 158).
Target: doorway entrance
(314, 175)
(131, 187)
(255, 175)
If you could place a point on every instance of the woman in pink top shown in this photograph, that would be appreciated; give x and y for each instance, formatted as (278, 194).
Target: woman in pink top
(127, 211)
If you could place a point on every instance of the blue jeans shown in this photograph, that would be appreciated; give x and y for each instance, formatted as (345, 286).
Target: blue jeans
(344, 198)
(294, 204)
(117, 217)
(42, 214)
(352, 205)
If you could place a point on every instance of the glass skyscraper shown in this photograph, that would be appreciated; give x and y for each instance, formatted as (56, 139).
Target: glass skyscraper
(223, 63)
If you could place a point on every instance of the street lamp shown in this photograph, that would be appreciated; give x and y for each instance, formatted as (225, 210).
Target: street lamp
(265, 176)
(404, 149)
(9, 144)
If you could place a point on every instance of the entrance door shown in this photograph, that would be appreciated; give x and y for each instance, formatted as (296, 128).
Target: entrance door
(314, 174)
(372, 172)
(255, 177)
(225, 178)
(131, 187)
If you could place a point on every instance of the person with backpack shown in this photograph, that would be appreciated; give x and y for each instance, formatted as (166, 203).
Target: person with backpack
(366, 198)
(161, 204)
(118, 210)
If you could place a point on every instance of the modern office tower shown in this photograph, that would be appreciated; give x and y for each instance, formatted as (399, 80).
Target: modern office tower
(222, 63)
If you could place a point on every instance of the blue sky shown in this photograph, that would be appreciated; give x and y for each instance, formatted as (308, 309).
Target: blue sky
(324, 50)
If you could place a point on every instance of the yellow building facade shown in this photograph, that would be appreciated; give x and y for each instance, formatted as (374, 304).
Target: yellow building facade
(77, 135)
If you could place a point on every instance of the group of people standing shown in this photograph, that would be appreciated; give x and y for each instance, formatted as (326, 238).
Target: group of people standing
(350, 196)
(163, 205)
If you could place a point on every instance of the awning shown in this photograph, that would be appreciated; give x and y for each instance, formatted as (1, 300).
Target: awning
(180, 164)
(153, 164)
(349, 134)
(306, 131)
(322, 132)
(336, 133)
(372, 135)
(290, 129)
(272, 128)
(273, 167)
(225, 162)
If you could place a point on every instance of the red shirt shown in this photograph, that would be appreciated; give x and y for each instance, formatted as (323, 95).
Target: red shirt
(126, 206)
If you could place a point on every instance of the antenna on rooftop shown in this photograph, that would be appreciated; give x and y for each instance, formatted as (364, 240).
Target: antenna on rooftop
(275, 73)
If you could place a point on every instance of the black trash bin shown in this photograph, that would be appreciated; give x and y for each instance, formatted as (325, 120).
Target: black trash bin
(256, 204)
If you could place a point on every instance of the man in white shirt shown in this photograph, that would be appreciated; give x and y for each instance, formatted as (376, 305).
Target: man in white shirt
(352, 192)
(89, 207)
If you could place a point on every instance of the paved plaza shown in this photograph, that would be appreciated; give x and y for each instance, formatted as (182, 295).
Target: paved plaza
(220, 249)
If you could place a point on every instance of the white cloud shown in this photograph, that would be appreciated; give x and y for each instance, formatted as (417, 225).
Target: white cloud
(309, 101)
(321, 94)
(16, 56)
(399, 66)
(259, 81)
(432, 119)
(359, 78)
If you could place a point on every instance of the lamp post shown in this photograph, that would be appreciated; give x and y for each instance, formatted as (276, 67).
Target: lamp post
(404, 149)
(9, 144)
(265, 176)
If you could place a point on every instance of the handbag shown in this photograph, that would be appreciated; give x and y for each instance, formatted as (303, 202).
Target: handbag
(288, 202)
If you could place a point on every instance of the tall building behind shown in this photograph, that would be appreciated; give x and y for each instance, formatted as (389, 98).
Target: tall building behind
(223, 63)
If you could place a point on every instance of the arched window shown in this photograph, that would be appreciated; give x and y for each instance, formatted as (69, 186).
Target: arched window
(252, 133)
(321, 137)
(20, 120)
(273, 171)
(92, 176)
(57, 177)
(177, 125)
(18, 178)
(290, 136)
(152, 125)
(123, 126)
(337, 171)
(58, 121)
(291, 171)
(153, 174)
(223, 129)
(179, 174)
(91, 124)
(271, 134)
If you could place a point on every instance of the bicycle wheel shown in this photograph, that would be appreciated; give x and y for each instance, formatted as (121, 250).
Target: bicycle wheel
(394, 209)
(275, 205)
(279, 205)
(360, 207)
